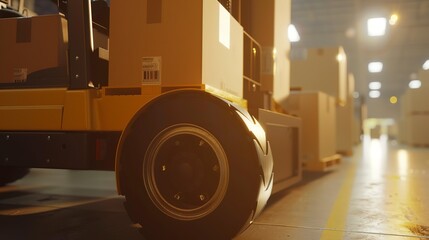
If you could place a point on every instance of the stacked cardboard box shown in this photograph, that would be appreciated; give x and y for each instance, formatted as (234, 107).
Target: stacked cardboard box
(345, 121)
(325, 69)
(321, 69)
(415, 114)
(318, 113)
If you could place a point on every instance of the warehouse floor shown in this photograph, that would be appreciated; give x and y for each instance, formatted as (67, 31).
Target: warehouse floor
(378, 193)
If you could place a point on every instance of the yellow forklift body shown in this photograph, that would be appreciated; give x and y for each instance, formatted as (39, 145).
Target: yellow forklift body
(77, 110)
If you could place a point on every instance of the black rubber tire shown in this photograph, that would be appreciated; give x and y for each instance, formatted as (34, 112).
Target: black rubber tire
(248, 166)
(11, 174)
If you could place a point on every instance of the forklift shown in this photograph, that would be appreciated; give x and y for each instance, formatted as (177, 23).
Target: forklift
(158, 91)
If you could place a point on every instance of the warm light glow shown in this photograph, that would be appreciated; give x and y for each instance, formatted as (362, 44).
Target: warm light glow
(340, 57)
(293, 34)
(224, 26)
(426, 65)
(374, 85)
(393, 19)
(403, 162)
(374, 94)
(376, 26)
(414, 84)
(393, 99)
(375, 67)
(376, 158)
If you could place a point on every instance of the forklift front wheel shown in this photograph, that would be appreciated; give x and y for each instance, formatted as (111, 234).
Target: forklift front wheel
(193, 166)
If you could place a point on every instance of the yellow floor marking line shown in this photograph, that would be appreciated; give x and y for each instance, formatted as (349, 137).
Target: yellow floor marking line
(337, 219)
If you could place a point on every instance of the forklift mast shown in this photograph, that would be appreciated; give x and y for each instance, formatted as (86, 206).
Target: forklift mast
(81, 43)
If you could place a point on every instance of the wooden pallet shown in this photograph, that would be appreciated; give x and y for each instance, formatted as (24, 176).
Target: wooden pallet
(324, 164)
(420, 145)
(346, 153)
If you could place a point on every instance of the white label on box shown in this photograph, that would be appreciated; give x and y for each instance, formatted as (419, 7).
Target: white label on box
(224, 26)
(151, 73)
(20, 75)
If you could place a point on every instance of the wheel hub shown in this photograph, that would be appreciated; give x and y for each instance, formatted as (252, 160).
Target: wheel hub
(186, 172)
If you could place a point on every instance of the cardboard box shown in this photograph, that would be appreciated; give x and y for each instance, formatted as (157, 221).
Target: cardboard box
(28, 45)
(318, 113)
(402, 131)
(357, 131)
(175, 44)
(344, 120)
(415, 101)
(321, 69)
(350, 87)
(182, 44)
(417, 130)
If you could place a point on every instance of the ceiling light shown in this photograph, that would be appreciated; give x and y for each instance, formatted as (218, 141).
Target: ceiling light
(293, 34)
(426, 65)
(414, 84)
(376, 26)
(375, 67)
(393, 99)
(374, 85)
(393, 19)
(374, 94)
(356, 95)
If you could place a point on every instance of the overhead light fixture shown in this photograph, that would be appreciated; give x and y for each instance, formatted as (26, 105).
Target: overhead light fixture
(293, 34)
(376, 26)
(426, 65)
(375, 67)
(356, 95)
(374, 94)
(393, 19)
(414, 84)
(374, 85)
(393, 100)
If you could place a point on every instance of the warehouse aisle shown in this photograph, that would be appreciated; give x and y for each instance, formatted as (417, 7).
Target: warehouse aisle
(379, 193)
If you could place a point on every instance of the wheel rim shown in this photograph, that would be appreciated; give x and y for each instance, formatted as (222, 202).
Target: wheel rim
(186, 172)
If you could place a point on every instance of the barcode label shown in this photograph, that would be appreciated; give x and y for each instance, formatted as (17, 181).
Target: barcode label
(20, 75)
(151, 70)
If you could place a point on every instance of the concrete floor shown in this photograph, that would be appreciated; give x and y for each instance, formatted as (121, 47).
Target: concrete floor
(378, 193)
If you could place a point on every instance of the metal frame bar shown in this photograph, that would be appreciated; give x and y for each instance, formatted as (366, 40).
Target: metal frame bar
(80, 43)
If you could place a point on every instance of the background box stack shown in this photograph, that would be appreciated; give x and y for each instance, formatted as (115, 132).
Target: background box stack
(325, 69)
(321, 69)
(317, 111)
(346, 121)
(415, 113)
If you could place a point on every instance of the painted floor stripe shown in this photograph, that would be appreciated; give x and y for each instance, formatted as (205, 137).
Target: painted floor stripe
(338, 217)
